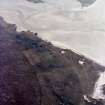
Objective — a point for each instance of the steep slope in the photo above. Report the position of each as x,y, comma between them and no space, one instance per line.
34,72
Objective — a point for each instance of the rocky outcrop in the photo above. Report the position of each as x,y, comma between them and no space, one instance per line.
34,72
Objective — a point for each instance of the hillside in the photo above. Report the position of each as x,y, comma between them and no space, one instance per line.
34,72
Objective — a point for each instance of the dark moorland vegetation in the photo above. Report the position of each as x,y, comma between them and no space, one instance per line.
34,72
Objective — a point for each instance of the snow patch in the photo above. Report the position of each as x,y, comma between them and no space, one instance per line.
98,90
81,62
